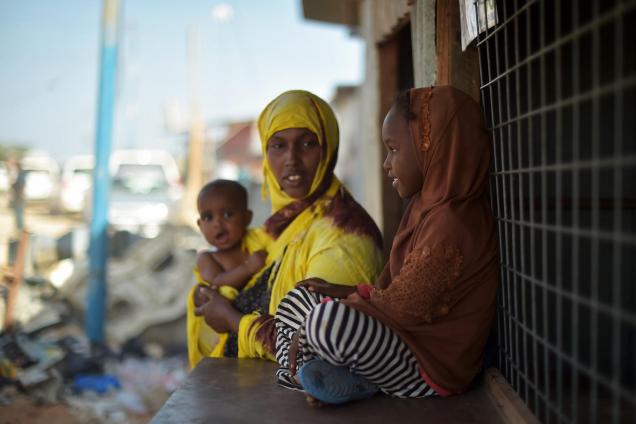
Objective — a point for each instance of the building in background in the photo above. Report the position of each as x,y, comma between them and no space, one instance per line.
239,153
233,151
349,169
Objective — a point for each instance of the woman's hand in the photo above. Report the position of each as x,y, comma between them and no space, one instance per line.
319,285
197,296
218,312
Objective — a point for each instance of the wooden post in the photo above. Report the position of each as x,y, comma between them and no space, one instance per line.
395,58
454,67
194,178
388,53
16,280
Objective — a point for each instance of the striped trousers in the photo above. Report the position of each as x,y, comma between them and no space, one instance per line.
343,336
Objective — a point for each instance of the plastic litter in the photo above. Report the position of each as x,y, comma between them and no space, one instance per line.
97,383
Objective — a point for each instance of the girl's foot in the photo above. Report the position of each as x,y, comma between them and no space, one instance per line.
333,385
313,402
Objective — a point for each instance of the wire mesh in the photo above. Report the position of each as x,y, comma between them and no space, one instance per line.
558,86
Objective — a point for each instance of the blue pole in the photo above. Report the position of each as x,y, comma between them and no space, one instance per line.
98,251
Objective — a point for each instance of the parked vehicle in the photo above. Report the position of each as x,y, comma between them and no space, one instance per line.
145,191
5,185
4,178
41,174
76,181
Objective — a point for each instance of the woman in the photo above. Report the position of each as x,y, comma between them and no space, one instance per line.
316,230
421,329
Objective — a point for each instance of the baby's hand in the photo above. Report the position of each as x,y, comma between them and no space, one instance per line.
256,261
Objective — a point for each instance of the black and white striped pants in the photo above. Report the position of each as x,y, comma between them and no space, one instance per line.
344,336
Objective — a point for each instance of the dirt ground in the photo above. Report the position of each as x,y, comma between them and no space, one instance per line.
22,411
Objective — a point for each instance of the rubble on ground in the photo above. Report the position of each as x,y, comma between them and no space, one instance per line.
45,356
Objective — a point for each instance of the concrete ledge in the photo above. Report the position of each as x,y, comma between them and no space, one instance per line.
509,404
244,391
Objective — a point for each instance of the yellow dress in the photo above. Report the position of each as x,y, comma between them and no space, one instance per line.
316,242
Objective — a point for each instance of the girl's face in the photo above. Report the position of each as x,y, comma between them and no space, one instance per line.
293,155
400,163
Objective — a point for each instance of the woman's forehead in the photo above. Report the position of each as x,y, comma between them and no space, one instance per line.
292,133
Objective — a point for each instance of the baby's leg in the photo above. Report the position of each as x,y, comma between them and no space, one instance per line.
291,314
346,337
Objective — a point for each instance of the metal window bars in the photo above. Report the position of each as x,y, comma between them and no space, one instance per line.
558,86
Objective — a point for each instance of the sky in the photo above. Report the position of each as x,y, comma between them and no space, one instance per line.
250,51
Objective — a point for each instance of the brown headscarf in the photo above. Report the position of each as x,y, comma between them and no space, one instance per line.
438,289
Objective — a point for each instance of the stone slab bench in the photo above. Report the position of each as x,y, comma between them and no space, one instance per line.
244,391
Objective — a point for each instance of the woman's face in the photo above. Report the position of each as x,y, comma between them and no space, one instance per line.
400,163
294,155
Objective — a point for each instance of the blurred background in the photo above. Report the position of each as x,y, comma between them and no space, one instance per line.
217,62
190,80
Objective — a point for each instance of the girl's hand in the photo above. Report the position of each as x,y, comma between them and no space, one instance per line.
319,285
218,312
292,353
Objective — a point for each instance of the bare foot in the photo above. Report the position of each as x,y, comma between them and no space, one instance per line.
313,402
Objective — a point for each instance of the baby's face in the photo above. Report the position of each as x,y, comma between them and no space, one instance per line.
222,219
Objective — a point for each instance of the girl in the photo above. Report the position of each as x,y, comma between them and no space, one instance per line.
421,329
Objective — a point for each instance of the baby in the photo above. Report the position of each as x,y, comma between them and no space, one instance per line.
223,221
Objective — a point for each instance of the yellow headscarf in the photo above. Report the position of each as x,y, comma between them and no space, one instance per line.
298,109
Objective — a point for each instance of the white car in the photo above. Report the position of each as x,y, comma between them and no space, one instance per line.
145,191
76,181
5,185
41,179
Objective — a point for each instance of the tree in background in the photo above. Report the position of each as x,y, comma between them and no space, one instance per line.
11,150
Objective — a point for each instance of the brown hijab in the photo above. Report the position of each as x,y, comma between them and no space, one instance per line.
438,289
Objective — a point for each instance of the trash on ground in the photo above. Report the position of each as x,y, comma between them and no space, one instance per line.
44,355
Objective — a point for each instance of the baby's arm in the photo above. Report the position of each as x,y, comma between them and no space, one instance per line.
209,269
239,275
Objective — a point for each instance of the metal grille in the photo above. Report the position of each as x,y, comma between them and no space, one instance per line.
558,85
